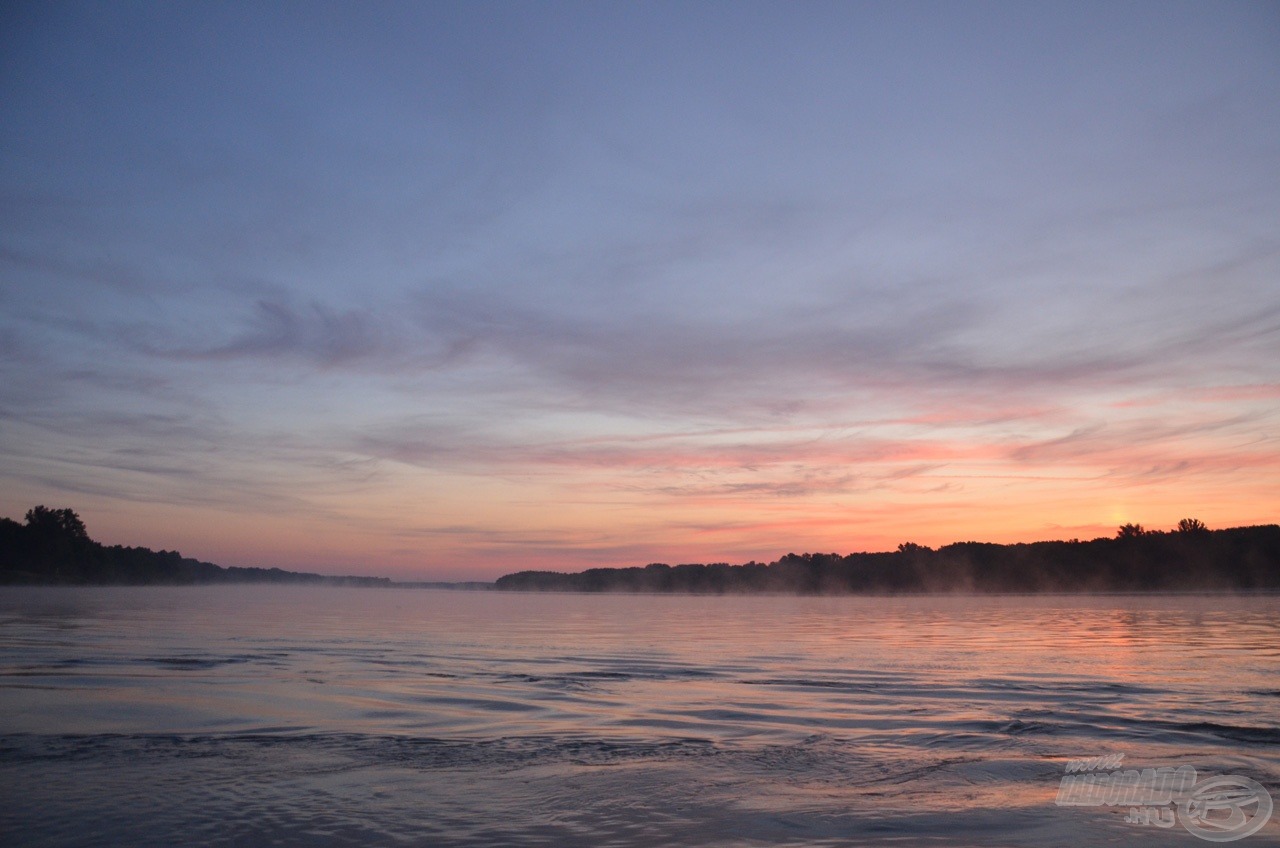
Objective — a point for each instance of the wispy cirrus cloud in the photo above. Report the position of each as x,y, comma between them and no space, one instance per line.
324,286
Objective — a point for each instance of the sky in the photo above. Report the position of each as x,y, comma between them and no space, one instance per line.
449,290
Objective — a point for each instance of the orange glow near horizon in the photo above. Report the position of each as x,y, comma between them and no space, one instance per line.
517,301
708,498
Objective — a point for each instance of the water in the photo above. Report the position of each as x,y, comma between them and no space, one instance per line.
316,716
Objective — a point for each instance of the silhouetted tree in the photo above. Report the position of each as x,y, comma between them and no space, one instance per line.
1130,531
1192,525
59,522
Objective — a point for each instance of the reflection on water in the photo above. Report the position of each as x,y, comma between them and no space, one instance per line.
358,716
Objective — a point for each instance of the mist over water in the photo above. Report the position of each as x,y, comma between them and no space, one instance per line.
301,716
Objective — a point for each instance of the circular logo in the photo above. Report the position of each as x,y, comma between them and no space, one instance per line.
1224,809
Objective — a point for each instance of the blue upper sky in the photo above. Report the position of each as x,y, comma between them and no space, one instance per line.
438,289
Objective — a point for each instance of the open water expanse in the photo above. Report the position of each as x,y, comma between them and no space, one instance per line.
265,715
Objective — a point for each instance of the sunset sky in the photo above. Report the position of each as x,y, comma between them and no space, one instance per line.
449,290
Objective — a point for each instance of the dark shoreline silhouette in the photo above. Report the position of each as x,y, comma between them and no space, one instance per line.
54,548
1189,559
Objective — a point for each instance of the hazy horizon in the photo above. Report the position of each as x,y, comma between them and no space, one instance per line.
447,291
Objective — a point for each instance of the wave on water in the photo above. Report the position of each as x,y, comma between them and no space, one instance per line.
348,789
297,788
458,721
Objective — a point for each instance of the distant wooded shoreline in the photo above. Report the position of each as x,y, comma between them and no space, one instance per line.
1191,558
53,548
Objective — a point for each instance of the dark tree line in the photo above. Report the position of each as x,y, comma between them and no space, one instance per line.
53,547
1188,559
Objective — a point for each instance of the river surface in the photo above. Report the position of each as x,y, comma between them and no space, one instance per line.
277,715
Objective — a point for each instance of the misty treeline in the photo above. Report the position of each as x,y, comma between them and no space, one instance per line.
53,547
1187,559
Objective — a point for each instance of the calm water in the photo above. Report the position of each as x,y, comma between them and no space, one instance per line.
307,716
